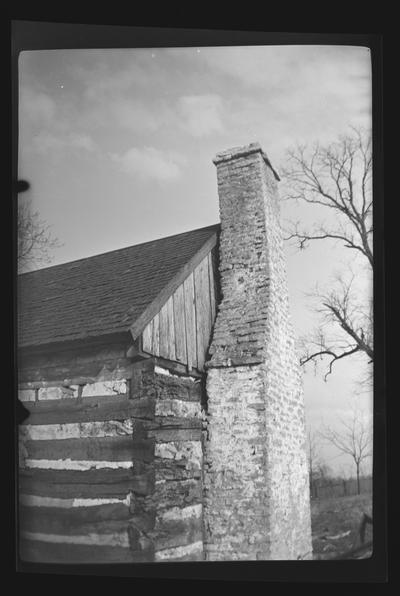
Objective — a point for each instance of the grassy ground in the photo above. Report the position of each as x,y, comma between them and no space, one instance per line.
336,524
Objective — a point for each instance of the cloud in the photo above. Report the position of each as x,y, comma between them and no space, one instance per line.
131,114
47,141
104,74
200,115
36,107
150,163
45,127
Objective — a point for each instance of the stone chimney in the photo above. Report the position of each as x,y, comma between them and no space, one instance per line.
256,492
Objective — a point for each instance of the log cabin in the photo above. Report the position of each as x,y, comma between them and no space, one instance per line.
166,418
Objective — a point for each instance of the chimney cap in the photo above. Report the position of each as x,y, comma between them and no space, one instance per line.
236,152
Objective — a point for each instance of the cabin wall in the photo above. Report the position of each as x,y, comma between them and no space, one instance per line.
177,430
180,331
110,460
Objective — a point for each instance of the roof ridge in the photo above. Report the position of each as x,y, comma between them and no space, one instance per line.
27,273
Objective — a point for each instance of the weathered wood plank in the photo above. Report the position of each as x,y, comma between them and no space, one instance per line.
170,288
167,331
175,422
88,409
156,335
111,533
163,331
101,449
212,288
190,322
90,477
202,304
142,484
74,368
180,327
162,435
44,552
32,523
70,517
147,338
171,355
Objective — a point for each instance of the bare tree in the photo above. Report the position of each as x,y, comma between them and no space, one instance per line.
336,180
354,438
35,240
318,470
313,459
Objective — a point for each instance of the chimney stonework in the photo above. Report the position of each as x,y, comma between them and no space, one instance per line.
256,493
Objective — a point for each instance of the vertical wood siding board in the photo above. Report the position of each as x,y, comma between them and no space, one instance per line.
190,315
180,327
147,338
207,299
185,314
212,288
197,307
171,329
202,301
156,335
163,325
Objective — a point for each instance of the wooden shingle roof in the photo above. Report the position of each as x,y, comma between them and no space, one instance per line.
108,293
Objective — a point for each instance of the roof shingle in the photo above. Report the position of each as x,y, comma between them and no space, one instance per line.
103,294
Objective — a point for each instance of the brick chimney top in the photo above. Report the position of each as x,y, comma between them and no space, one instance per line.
236,152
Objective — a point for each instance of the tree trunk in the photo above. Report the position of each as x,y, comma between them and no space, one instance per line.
358,478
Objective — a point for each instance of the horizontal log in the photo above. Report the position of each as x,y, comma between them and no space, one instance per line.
120,538
73,373
115,533
72,380
89,409
88,360
174,422
142,485
49,518
102,476
45,552
100,449
176,434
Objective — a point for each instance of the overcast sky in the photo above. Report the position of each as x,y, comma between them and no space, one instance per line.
118,148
